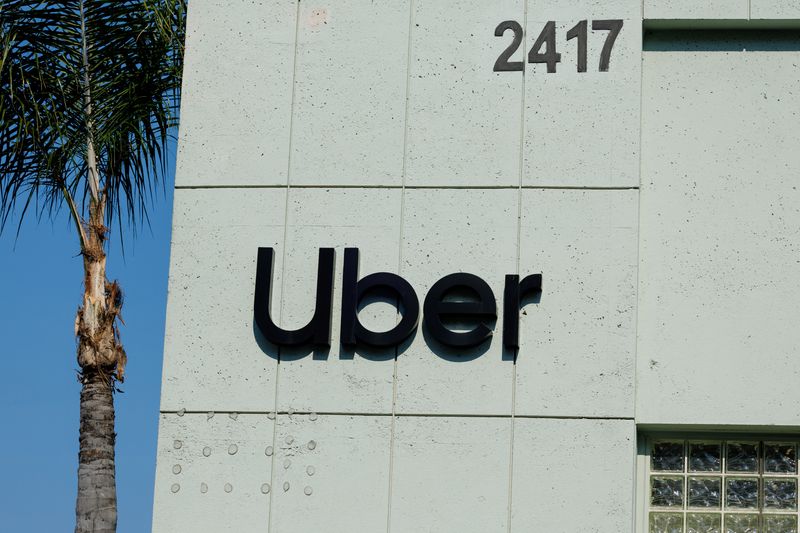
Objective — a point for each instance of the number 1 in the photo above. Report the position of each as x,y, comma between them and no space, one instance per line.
580,31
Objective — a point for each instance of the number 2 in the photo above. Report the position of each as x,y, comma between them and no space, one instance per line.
503,64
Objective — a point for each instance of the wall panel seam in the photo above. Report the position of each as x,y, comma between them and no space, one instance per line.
418,187
638,262
521,172
409,50
283,261
638,252
401,415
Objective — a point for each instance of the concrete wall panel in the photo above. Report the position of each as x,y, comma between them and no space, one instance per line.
775,9
582,129
720,239
237,93
450,474
573,475
577,345
337,471
463,118
692,9
213,475
349,115
341,380
447,231
543,10
212,360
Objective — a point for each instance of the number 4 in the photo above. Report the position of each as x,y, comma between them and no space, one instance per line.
547,38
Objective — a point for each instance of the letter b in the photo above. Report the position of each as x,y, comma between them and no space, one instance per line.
354,290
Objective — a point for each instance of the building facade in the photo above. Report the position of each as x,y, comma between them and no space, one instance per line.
642,156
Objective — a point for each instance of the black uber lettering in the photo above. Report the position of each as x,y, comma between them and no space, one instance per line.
438,308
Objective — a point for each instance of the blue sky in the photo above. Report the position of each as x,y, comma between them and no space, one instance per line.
40,282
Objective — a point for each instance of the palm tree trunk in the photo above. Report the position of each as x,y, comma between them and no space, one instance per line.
102,360
96,508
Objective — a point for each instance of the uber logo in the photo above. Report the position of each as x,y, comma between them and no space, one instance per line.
437,309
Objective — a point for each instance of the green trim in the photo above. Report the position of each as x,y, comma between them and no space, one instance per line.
716,432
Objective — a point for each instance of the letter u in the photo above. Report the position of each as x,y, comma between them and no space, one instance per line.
318,330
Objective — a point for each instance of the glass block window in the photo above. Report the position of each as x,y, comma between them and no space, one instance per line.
722,486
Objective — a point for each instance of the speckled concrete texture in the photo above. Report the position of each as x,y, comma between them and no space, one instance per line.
348,118
450,474
692,9
564,465
237,93
330,463
213,473
775,9
212,359
720,239
577,345
463,118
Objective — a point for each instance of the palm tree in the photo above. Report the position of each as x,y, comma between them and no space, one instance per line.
89,91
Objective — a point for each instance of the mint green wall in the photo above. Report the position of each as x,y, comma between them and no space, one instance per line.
657,200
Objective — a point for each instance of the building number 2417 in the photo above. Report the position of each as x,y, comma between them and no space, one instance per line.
547,40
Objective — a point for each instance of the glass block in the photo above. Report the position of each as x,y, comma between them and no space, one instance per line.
705,457
741,523
780,458
742,457
780,524
780,493
705,491
703,523
666,523
667,456
666,491
741,493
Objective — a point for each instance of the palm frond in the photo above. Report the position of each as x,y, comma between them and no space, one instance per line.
135,52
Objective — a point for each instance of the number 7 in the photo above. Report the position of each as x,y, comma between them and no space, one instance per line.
614,27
